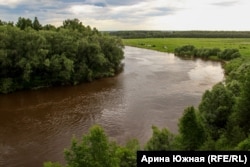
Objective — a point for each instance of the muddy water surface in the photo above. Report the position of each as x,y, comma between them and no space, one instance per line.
153,89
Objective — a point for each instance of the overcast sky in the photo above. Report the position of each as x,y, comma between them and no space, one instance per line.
135,14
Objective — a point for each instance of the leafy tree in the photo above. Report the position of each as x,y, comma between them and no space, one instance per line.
6,23
94,150
243,106
215,108
160,140
66,55
49,27
209,144
75,24
127,154
230,138
191,131
244,145
110,47
23,23
36,24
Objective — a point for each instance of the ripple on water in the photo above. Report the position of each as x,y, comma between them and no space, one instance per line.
153,89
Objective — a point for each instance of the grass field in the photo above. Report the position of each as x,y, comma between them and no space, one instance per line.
169,44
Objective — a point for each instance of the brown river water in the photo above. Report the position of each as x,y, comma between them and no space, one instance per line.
153,89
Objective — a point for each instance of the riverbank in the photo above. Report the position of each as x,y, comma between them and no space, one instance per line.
169,44
224,110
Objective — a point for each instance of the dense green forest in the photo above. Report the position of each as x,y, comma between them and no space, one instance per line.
34,56
221,122
180,34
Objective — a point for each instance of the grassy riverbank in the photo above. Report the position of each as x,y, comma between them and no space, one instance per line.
169,44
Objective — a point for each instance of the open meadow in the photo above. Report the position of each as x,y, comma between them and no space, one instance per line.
169,44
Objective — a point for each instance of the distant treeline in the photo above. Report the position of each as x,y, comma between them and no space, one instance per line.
34,56
181,34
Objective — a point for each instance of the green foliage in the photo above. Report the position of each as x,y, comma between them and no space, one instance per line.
6,85
23,23
229,54
234,86
191,51
36,24
186,50
206,53
94,150
231,66
244,145
191,131
52,164
215,108
160,140
209,144
127,154
181,34
37,56
238,71
243,105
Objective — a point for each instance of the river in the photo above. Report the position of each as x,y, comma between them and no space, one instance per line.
153,89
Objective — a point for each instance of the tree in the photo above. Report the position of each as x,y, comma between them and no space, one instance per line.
6,23
36,24
127,154
73,24
23,23
243,105
192,134
244,145
93,151
160,140
215,108
49,27
68,55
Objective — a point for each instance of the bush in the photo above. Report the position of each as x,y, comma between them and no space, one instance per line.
186,50
229,54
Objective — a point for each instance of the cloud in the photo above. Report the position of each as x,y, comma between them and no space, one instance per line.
225,3
136,12
11,3
133,14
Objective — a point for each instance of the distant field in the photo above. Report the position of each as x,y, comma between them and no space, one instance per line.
169,44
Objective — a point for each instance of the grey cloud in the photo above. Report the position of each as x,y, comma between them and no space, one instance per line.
123,2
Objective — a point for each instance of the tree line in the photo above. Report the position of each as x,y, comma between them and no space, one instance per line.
221,122
34,56
180,34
